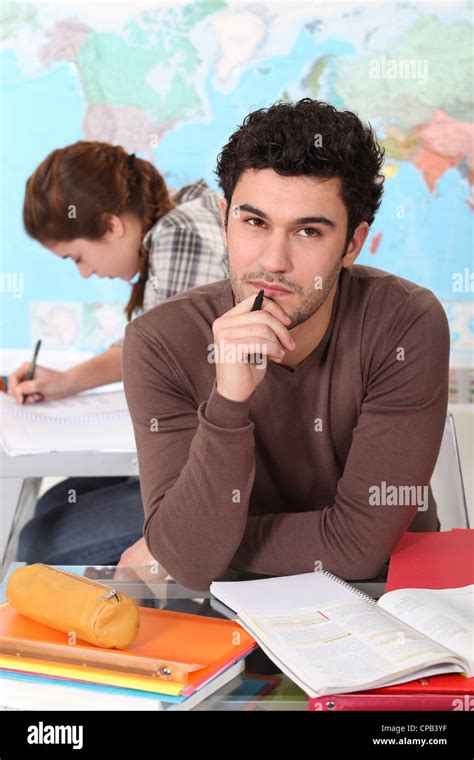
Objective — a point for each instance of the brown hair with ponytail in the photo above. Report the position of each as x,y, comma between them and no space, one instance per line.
74,188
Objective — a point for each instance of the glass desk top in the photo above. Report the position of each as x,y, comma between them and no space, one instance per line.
261,685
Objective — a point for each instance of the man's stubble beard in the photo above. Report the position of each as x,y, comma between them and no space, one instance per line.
310,301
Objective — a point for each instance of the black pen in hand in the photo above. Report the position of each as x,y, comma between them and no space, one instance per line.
32,367
257,304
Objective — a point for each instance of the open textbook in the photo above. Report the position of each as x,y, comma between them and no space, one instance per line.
331,638
83,422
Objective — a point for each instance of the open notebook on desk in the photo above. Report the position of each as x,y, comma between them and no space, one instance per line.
83,422
331,638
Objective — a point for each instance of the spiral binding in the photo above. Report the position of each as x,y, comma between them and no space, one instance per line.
353,589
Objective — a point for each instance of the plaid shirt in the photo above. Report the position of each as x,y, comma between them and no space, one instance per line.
185,246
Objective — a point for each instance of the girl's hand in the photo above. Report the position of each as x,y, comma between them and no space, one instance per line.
47,384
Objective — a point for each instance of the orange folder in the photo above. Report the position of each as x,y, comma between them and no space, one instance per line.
203,646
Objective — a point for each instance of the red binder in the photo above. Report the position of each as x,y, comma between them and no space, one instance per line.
395,703
449,691
444,559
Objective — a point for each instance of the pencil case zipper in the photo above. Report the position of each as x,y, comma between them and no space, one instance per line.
110,594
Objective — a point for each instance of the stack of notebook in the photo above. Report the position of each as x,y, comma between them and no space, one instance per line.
176,661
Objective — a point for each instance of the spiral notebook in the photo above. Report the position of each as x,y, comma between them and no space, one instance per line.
83,422
331,638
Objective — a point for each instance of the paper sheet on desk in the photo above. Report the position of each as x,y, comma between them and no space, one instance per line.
84,422
280,594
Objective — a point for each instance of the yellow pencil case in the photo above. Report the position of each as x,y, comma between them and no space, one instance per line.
75,605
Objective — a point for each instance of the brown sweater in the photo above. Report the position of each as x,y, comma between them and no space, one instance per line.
260,486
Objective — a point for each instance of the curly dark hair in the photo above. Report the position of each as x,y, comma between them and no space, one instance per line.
283,137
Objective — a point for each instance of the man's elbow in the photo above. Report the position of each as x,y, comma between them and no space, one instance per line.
194,579
193,576
360,568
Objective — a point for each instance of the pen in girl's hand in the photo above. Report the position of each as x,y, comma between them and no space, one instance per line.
257,304
32,367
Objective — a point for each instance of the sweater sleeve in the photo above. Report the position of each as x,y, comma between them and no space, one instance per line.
197,465
396,441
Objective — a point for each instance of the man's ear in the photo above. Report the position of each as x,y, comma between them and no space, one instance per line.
223,204
356,243
114,226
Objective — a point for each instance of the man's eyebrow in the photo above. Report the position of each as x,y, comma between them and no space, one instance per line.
300,220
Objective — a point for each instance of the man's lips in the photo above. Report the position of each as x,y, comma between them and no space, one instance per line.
270,290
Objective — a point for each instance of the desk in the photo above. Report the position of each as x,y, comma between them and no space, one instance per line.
238,694
20,481
20,477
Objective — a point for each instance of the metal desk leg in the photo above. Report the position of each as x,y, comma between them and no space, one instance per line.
18,497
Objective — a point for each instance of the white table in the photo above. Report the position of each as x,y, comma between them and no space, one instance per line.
20,477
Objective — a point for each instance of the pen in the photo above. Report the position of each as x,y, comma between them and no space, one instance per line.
32,367
257,304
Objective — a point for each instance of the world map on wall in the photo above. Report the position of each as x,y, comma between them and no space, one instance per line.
172,82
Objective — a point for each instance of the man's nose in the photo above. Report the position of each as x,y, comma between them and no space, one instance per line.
276,256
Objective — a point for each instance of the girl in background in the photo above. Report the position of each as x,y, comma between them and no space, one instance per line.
112,214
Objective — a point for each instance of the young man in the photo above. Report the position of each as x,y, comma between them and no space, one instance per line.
302,435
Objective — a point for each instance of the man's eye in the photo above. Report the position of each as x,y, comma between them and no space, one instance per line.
254,219
311,230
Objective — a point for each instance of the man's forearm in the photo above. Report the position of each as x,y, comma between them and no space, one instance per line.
101,370
198,525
